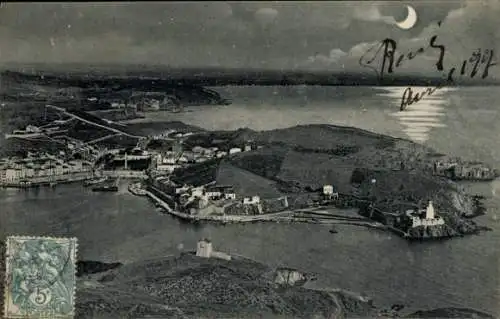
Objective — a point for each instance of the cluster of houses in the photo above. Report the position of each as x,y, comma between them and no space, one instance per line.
215,193
220,197
45,165
170,160
456,169
142,101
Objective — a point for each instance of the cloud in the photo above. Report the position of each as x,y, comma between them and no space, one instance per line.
371,13
463,31
320,60
266,34
266,16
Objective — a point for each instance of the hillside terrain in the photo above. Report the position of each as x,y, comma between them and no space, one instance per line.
304,158
193,287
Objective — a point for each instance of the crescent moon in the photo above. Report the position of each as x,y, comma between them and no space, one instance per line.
410,20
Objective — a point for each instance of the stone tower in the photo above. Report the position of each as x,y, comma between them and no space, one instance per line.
204,248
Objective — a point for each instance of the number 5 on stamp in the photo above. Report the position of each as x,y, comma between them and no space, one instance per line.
40,277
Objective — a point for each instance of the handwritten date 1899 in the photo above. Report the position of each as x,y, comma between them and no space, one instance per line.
389,62
478,58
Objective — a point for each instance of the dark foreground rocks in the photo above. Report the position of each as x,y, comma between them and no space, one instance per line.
193,287
462,313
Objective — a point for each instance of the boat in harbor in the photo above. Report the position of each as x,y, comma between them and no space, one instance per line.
108,186
333,230
105,188
95,181
137,189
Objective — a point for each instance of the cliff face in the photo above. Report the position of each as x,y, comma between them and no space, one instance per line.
289,277
434,232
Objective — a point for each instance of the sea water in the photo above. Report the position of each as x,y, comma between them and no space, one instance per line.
462,272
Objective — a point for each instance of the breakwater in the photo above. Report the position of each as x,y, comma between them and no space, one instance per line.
124,174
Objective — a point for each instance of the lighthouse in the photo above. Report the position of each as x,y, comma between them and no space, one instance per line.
429,212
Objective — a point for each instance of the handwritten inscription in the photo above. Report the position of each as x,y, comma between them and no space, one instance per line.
478,58
410,97
386,51
383,58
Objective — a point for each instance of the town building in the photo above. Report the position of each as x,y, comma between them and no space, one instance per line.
473,171
231,195
251,200
221,191
198,192
221,154
180,190
329,193
235,150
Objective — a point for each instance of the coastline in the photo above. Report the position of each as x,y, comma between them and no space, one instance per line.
271,217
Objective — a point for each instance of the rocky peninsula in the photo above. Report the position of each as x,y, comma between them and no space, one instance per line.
288,168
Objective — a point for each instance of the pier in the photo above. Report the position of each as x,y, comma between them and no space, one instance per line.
125,174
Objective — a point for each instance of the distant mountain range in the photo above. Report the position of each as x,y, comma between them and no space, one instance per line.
140,75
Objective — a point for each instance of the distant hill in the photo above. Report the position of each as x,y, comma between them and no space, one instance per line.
67,87
123,73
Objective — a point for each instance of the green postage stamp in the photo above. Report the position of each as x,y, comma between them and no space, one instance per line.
40,277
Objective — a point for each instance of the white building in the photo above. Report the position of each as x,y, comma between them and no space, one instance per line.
181,190
10,174
166,167
251,200
235,150
197,192
327,189
211,194
168,160
329,193
248,148
230,196
221,154
183,159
